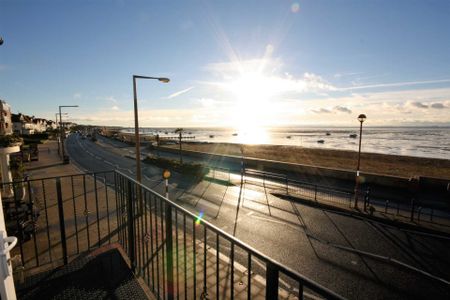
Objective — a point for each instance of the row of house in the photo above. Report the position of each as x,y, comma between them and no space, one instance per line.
22,124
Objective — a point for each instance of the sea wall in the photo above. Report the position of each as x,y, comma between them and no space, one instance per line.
399,183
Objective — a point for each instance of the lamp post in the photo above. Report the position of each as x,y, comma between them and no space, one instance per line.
136,122
56,122
61,131
361,119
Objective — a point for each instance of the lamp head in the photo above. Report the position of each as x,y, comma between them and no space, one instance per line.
362,118
163,79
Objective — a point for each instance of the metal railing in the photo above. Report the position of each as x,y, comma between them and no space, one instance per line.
309,191
177,253
414,209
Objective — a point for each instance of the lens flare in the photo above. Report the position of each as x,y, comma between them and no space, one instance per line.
199,218
295,8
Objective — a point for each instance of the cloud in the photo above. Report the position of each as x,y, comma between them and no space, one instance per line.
77,96
336,109
263,77
115,107
179,93
322,111
395,84
342,109
438,106
208,102
419,105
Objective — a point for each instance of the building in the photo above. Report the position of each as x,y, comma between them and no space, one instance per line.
22,124
6,127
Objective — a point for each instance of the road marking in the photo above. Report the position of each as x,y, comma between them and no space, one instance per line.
256,277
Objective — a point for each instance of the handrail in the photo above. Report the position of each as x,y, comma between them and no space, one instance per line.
284,269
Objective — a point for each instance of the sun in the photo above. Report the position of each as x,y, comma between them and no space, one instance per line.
253,106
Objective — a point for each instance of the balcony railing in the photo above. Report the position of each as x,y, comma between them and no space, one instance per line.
177,253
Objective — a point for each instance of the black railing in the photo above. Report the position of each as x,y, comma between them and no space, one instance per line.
414,209
182,256
176,252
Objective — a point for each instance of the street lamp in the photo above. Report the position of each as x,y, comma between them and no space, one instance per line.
136,122
61,131
56,123
361,119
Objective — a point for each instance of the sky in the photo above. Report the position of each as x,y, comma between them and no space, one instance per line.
231,63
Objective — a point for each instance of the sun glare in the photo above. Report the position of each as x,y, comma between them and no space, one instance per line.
253,107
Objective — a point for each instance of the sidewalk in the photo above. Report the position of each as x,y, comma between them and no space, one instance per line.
49,163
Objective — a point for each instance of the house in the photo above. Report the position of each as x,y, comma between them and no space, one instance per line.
40,125
6,127
51,125
22,124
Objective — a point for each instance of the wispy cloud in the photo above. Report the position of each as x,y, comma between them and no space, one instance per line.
438,106
395,84
77,96
336,109
419,105
176,94
322,111
342,109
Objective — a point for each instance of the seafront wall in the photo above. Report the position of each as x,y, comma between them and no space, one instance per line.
438,186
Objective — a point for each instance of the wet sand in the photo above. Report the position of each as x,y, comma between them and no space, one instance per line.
403,166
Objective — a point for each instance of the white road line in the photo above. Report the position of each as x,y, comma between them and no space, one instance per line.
257,278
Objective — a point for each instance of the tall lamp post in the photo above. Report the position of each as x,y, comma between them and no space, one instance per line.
56,122
361,119
136,122
63,132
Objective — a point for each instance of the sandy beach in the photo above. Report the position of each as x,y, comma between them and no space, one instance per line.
403,166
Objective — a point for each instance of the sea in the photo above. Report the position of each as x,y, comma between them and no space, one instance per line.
430,142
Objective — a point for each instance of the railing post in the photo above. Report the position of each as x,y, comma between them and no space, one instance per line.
315,192
287,186
62,225
169,249
130,217
272,281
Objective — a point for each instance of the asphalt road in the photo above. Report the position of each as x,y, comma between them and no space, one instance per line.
354,257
